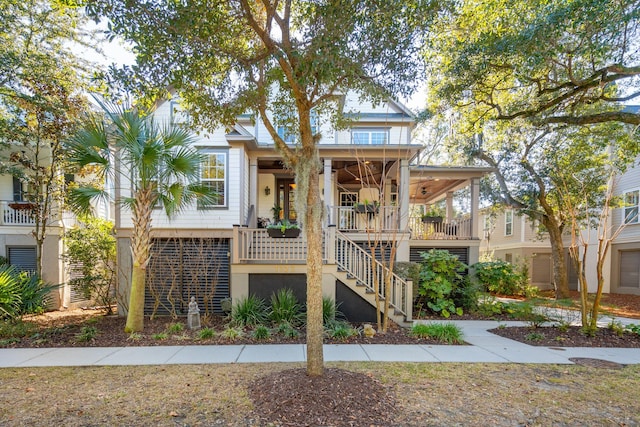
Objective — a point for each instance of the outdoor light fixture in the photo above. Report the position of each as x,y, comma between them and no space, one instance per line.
267,190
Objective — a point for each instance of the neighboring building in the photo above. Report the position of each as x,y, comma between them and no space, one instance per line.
220,251
513,238
18,245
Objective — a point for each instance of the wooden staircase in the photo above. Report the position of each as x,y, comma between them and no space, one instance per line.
365,276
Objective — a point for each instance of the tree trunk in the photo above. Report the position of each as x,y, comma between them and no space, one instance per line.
313,227
559,261
135,315
140,251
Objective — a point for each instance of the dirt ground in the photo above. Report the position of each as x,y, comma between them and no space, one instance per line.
412,394
351,395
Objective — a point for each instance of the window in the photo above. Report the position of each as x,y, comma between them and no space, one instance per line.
508,223
178,115
213,174
369,136
287,136
631,200
508,257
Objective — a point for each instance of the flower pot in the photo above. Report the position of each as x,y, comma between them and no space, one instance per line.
432,219
22,206
288,232
372,209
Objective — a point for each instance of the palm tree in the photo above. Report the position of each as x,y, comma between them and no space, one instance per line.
158,166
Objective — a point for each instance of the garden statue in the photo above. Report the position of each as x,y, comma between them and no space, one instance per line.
193,317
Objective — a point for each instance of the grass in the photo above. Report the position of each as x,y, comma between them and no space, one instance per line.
444,332
484,394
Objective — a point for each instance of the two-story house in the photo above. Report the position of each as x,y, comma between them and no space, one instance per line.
516,239
370,188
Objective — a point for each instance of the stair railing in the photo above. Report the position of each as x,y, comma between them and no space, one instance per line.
357,262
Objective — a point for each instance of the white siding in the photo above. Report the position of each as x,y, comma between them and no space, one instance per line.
627,182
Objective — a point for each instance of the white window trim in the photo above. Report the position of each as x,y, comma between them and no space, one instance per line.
510,233
370,131
624,208
293,138
225,181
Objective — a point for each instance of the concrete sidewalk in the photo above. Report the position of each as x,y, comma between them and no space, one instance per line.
484,347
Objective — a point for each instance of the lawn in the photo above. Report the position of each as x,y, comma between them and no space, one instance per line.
425,394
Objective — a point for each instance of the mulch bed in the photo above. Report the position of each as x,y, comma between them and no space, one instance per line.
338,398
56,330
550,336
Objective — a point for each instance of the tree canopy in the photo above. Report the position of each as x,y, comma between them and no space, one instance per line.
551,61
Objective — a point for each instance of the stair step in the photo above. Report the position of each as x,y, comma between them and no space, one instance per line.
350,276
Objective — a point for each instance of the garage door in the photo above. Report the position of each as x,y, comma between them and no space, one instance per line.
23,258
182,268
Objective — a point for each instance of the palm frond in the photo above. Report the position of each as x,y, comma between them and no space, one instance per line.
80,199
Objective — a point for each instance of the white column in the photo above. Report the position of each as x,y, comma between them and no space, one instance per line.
449,201
475,203
253,191
328,191
403,195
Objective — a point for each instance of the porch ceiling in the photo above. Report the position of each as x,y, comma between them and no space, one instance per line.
428,191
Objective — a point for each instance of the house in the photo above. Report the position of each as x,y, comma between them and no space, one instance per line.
371,189
516,239
18,245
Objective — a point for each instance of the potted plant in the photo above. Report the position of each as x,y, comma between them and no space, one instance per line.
366,207
283,229
22,206
433,216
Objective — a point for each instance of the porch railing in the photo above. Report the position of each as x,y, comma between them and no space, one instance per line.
254,245
15,213
452,230
352,219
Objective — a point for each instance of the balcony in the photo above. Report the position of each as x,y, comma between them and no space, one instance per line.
16,213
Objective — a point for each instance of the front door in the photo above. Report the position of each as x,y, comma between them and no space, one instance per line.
286,199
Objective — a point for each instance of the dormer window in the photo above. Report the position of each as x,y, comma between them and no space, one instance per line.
369,136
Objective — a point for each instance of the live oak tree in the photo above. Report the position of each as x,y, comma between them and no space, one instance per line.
521,74
531,165
285,57
542,60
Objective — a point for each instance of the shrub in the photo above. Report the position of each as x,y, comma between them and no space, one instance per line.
501,277
91,249
175,328
86,334
287,330
330,310
444,332
249,311
35,294
206,333
534,336
232,333
439,278
285,308
16,329
633,328
340,330
261,332
21,293
160,336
